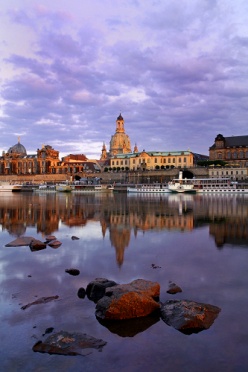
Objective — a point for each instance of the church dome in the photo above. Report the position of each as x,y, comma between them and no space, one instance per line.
18,149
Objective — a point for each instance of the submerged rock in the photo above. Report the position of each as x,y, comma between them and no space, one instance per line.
173,288
49,238
81,293
73,272
96,289
188,316
65,343
74,238
55,244
37,245
42,300
20,242
127,301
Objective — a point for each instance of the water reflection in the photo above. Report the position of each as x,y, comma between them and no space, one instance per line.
121,214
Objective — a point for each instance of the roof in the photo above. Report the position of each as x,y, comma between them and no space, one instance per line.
152,153
234,141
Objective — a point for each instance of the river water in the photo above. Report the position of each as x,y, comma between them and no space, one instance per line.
200,242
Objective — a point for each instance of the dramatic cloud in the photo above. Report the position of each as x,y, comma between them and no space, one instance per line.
177,71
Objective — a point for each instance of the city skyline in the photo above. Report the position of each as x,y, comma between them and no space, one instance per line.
177,74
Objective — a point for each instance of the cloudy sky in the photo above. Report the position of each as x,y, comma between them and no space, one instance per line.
176,70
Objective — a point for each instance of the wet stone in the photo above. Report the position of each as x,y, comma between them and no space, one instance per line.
65,343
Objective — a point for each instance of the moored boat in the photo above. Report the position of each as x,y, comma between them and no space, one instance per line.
151,188
64,187
181,185
91,188
8,186
218,185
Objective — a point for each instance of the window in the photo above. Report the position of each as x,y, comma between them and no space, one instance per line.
219,155
179,160
241,154
155,160
169,160
228,155
174,160
234,155
185,160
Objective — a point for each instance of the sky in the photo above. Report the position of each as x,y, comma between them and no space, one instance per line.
176,70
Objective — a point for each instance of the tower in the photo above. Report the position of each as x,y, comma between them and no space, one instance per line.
120,141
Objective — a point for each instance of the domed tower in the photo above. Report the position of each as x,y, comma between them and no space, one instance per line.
17,150
120,141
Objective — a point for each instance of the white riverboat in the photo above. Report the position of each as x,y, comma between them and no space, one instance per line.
45,188
181,185
218,185
91,188
151,188
64,187
9,187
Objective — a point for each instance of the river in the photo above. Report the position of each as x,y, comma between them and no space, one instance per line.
200,242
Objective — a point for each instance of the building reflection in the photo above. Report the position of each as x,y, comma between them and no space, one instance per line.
121,215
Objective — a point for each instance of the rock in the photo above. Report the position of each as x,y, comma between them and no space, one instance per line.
96,289
127,301
81,293
49,238
73,272
173,288
151,289
42,300
65,343
48,330
20,242
55,244
130,327
37,245
74,238
188,316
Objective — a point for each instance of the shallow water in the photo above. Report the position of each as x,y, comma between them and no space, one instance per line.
200,242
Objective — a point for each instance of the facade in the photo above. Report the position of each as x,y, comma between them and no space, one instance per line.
233,150
152,160
46,161
16,161
235,174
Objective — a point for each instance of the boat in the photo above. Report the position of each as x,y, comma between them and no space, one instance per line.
45,188
180,185
150,188
8,186
218,185
64,187
91,188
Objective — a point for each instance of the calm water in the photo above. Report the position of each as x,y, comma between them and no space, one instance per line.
199,242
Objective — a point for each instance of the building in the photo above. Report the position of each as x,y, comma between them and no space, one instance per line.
16,161
121,157
154,160
120,142
233,150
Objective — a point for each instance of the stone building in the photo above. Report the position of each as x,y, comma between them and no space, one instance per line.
120,142
16,161
233,150
152,160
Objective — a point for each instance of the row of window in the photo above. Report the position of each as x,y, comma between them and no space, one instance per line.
234,155
142,161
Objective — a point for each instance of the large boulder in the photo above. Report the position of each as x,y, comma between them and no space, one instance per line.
128,301
96,289
188,316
